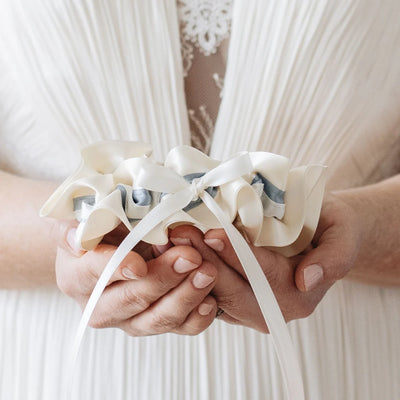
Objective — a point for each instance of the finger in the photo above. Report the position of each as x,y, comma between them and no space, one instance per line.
200,318
232,292
133,265
219,242
116,236
78,275
65,233
193,236
170,312
188,235
237,298
161,248
329,261
122,300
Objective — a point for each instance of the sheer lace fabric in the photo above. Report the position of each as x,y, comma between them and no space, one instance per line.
204,29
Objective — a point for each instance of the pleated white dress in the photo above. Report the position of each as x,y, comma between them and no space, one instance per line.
317,81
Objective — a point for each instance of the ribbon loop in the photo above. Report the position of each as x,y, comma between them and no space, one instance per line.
166,180
229,170
160,179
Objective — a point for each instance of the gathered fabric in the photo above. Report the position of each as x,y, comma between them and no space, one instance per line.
118,182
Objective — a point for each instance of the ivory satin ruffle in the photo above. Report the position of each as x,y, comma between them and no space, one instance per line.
273,206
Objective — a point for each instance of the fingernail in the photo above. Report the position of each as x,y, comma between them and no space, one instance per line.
313,274
182,265
71,240
127,273
215,244
201,280
177,241
205,309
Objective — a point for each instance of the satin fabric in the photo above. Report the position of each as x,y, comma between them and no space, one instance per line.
106,166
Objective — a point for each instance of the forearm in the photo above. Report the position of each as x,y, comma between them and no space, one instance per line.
378,209
27,242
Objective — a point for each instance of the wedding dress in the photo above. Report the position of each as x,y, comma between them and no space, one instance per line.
316,81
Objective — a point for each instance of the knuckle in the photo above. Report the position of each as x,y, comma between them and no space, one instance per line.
82,285
132,332
273,279
340,270
188,301
98,321
163,283
272,271
192,329
88,276
129,297
227,301
164,323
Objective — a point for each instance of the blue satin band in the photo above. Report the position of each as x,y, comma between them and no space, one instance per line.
272,198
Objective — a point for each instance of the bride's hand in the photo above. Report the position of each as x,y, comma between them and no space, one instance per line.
168,293
299,283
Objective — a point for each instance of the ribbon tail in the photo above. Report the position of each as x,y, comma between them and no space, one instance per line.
169,206
269,306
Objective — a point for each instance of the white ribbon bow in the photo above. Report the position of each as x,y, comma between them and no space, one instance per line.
181,193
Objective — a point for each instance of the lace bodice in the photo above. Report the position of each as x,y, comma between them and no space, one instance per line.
204,31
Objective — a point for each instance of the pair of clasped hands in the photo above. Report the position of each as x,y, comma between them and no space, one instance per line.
180,286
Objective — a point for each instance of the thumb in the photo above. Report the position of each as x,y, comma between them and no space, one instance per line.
329,261
64,232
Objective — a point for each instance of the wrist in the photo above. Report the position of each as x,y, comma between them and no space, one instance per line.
355,203
377,217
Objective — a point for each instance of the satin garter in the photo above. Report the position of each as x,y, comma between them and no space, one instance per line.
253,195
118,182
